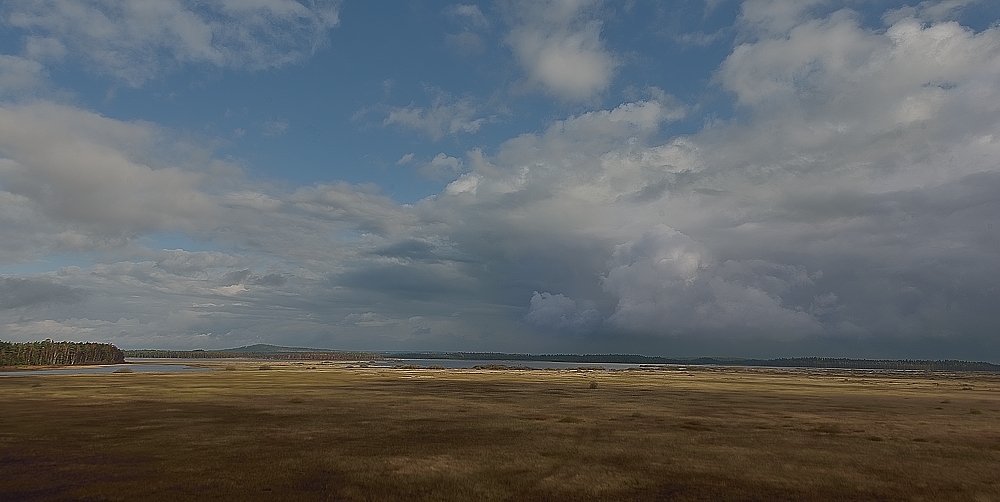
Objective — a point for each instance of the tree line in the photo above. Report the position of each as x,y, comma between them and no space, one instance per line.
49,353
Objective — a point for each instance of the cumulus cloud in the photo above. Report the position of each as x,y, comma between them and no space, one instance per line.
666,282
561,313
127,39
442,166
76,166
560,48
597,155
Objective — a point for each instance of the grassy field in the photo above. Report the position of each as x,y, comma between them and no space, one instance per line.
301,432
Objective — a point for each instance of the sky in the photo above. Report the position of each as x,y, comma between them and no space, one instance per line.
757,178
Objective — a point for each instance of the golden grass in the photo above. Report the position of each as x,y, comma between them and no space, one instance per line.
306,432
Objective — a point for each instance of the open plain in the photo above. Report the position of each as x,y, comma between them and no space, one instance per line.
312,432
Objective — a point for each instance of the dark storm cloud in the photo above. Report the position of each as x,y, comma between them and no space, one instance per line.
424,281
420,250
272,280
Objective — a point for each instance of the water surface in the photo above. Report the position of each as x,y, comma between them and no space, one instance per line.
470,363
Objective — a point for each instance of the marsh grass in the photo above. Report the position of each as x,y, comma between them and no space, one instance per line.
383,434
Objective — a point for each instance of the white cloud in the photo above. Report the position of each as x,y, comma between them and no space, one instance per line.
466,43
469,14
273,127
898,97
445,116
561,313
640,115
561,49
135,40
442,166
596,156
44,49
766,18
928,11
362,207
665,282
81,168
19,75
30,331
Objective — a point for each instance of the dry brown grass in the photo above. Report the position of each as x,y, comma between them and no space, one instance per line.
300,433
